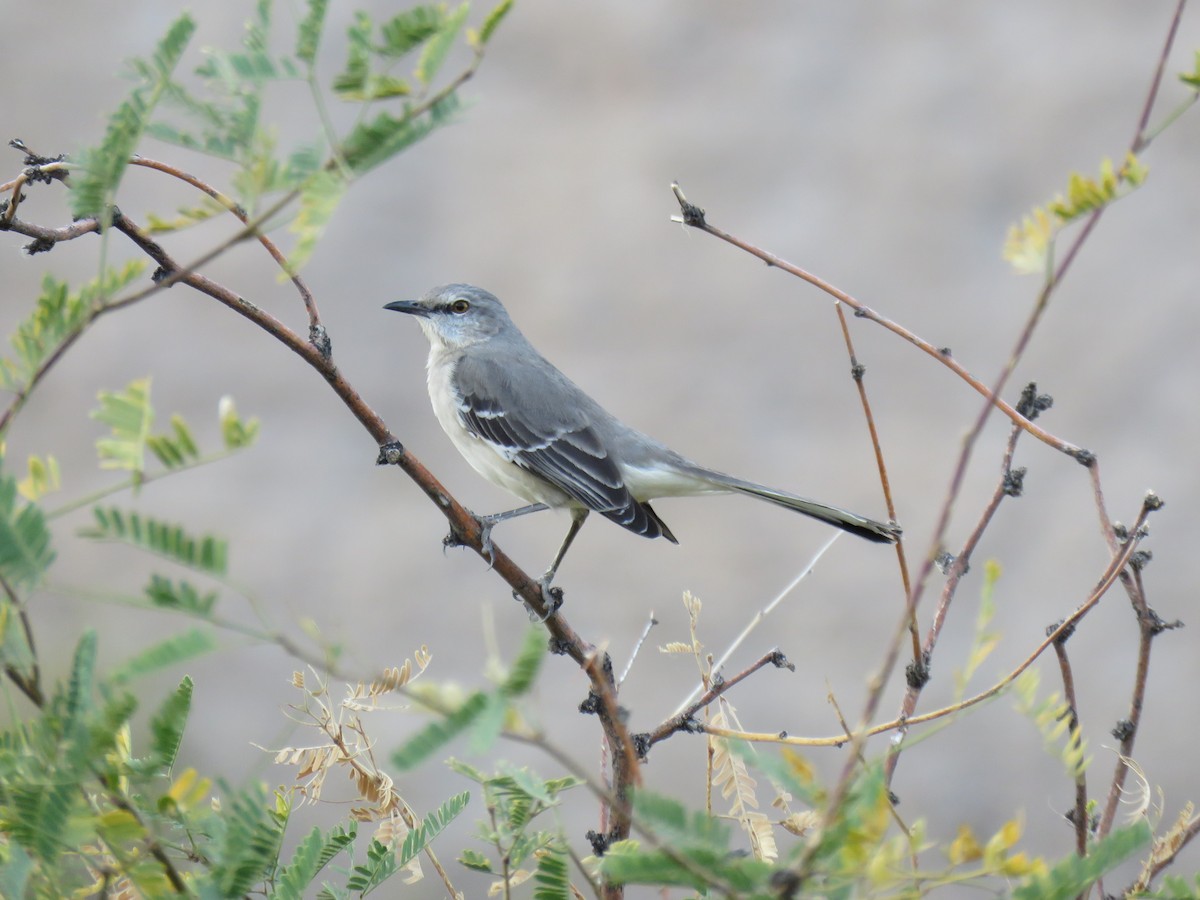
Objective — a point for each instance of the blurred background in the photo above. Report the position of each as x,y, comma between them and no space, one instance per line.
885,147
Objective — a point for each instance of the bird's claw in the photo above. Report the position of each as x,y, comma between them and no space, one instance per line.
552,597
453,539
486,548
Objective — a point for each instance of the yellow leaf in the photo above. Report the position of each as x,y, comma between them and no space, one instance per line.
965,847
186,792
1027,247
800,767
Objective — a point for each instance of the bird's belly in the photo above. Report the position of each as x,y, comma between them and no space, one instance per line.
483,457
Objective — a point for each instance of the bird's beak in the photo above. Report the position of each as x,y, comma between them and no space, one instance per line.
409,306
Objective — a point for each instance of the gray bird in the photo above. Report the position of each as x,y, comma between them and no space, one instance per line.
527,428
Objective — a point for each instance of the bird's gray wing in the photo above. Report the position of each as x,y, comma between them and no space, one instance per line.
532,416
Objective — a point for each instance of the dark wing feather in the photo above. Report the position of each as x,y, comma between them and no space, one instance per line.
559,446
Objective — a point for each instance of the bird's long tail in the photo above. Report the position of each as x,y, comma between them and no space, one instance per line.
844,519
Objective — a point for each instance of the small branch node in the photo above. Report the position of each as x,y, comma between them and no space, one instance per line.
779,661
1153,624
1152,502
1085,458
945,351
1014,482
1062,639
38,245
1123,730
1032,404
692,214
319,338
390,454
641,744
591,704
601,842
918,672
857,371
945,560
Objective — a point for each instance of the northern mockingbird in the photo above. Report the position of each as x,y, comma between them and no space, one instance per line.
526,427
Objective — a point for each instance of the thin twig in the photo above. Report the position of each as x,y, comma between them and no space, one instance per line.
30,685
1078,816
858,371
637,648
252,229
684,721
1149,626
1107,579
759,616
694,217
918,675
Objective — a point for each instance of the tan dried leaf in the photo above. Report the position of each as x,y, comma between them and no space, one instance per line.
519,877
800,823
676,647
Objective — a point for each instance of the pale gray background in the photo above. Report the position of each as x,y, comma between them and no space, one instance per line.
885,147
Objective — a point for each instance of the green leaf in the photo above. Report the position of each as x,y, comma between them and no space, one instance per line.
235,432
58,317
487,726
438,46
167,725
169,652
1075,874
319,198
25,552
249,848
551,877
375,142
311,856
255,65
493,20
475,861
353,77
1192,78
43,478
408,30
99,170
439,732
309,36
379,867
670,820
129,415
15,871
40,816
82,681
526,666
431,826
183,597
697,868
207,554
176,449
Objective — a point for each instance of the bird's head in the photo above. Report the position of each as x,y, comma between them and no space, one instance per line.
457,315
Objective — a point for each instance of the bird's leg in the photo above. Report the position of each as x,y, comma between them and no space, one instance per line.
487,523
578,517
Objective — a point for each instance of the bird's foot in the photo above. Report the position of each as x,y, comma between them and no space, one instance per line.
486,524
551,596
454,539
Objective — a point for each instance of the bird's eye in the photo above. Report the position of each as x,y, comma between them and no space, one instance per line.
460,306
